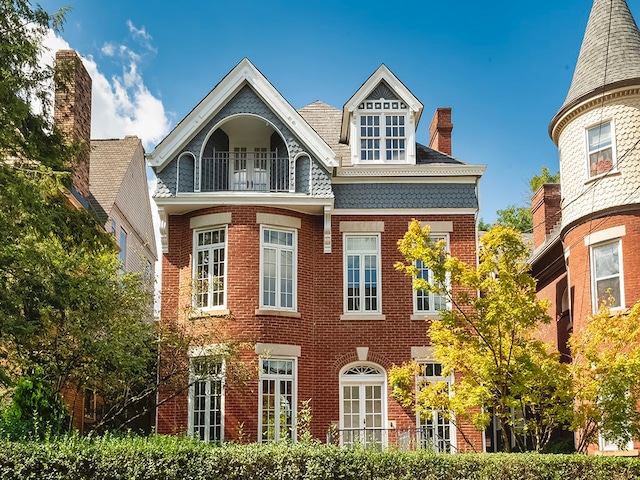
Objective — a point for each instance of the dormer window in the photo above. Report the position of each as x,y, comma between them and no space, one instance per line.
383,132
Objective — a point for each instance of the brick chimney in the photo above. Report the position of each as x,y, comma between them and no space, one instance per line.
545,209
72,113
440,131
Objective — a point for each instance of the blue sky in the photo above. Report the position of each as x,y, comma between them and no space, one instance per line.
503,67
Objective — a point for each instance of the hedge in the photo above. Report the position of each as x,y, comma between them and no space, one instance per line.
159,457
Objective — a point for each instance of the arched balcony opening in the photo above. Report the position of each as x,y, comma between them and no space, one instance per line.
245,153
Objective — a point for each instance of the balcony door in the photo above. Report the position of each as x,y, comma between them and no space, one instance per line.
250,170
363,406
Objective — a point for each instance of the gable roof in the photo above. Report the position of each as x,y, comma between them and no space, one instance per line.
117,179
609,55
381,76
245,73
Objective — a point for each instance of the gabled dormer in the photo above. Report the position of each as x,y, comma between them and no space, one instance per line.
379,122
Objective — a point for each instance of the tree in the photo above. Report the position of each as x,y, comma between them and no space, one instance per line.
488,340
520,218
606,376
66,310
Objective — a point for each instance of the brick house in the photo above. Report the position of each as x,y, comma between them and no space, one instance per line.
287,221
587,234
109,178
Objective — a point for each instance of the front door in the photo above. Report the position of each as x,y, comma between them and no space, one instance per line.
363,407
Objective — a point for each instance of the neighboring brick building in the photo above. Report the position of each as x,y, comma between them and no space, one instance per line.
110,178
591,247
288,221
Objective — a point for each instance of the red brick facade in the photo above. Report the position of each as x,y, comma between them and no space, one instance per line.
327,342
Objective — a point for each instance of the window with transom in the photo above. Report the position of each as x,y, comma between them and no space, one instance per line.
435,429
277,407
210,268
206,399
362,267
383,134
278,276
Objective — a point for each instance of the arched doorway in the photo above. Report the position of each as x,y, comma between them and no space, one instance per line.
363,405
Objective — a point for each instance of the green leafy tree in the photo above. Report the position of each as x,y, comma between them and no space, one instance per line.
518,217
488,340
606,376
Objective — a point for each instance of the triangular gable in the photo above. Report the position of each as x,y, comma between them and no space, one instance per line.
245,73
381,79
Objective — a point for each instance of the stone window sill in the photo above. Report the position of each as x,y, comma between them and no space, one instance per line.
360,316
277,313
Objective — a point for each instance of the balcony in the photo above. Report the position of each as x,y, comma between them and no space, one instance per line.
244,171
423,438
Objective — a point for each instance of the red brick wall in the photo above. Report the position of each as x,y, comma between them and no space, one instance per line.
327,342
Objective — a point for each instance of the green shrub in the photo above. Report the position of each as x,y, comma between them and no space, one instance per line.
177,458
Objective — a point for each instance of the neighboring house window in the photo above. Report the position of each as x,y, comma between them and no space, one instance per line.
383,134
210,267
362,279
277,407
424,301
90,405
113,228
606,274
600,149
206,388
435,430
123,248
278,269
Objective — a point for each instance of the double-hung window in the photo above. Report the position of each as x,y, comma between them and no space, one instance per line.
435,429
362,273
606,274
600,149
278,276
383,131
278,392
210,267
206,389
423,300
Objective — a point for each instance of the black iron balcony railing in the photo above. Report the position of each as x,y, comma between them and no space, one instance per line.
244,171
401,438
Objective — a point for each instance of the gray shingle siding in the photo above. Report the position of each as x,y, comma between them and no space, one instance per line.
396,195
245,102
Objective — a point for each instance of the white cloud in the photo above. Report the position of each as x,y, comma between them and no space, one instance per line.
121,105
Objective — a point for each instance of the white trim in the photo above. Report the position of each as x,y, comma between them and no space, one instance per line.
278,350
374,227
382,73
450,172
594,291
215,308
244,73
408,211
604,235
294,249
362,314
278,220
213,219
294,393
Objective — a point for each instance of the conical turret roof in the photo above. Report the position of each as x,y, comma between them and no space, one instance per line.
610,51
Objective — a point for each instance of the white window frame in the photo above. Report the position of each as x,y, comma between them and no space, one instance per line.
436,416
619,302
210,248
277,379
361,254
278,280
208,381
383,109
597,149
431,297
